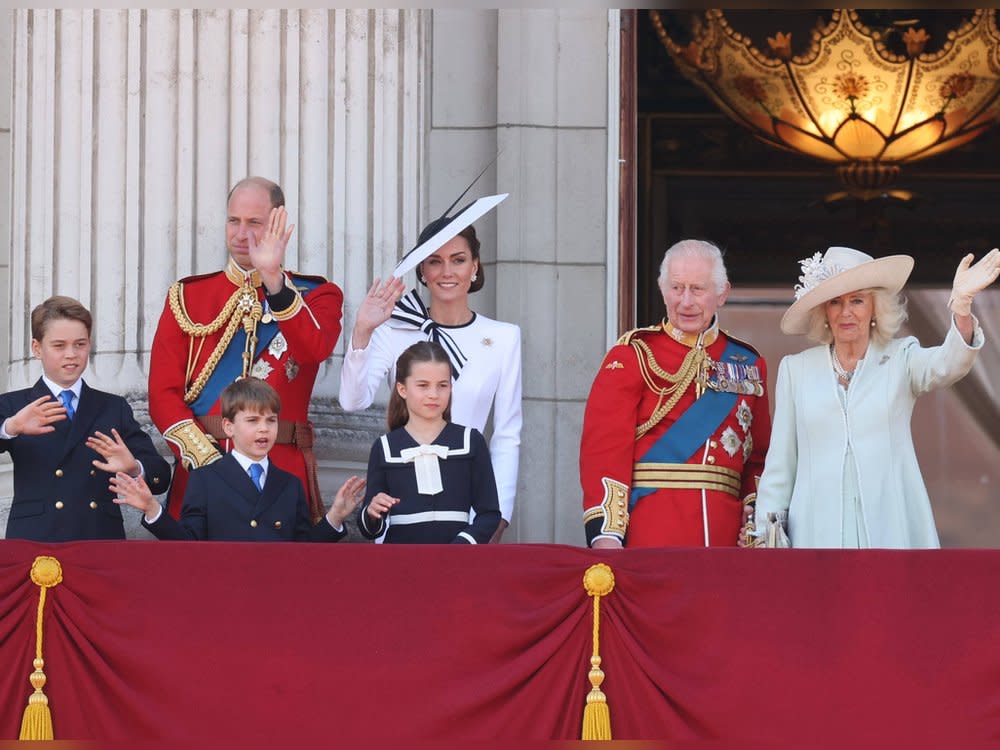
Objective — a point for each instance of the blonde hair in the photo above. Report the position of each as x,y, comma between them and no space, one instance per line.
888,313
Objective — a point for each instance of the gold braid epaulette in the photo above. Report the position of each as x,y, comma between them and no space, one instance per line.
626,338
229,316
678,382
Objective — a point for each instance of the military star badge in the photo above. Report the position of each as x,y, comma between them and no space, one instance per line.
278,346
260,370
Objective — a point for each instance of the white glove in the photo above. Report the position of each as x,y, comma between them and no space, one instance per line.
971,281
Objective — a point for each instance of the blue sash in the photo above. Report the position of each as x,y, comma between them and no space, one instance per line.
230,365
694,426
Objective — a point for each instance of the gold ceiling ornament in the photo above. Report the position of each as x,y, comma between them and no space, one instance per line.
849,99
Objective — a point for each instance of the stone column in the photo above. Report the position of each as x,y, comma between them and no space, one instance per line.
129,127
6,60
533,83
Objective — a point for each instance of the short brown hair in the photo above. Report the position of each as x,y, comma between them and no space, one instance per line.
397,414
58,308
274,190
249,394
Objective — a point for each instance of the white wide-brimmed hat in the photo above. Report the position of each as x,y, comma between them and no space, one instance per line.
838,271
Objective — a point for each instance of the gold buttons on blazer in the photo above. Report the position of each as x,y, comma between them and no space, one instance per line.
156,480
59,472
253,524
277,524
711,459
60,505
93,505
713,444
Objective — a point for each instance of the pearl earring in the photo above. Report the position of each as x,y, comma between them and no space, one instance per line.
826,325
474,277
873,322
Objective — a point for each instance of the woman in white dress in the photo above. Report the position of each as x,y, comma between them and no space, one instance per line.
841,461
485,354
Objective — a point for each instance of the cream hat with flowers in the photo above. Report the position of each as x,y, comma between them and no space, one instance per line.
838,271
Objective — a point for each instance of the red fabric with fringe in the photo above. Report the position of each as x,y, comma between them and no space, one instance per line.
190,642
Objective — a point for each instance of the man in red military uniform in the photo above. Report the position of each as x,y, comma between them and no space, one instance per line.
253,319
677,422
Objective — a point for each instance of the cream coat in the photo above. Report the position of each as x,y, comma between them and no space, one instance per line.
804,469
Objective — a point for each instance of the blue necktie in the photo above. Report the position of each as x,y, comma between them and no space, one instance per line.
67,399
257,475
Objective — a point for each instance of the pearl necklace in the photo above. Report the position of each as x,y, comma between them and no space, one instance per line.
842,374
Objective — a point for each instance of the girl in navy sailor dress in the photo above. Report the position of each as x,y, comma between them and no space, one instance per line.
429,481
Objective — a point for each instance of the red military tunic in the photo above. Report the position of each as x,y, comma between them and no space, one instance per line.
184,354
697,502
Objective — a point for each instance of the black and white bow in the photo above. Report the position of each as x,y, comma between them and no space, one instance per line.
411,309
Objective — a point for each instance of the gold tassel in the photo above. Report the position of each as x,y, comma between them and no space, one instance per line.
598,581
36,724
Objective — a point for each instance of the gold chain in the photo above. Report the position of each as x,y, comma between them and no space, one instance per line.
243,300
690,368
199,330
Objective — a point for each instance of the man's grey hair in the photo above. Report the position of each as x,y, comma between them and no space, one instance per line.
695,249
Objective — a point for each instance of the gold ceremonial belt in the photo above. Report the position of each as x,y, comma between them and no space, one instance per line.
687,477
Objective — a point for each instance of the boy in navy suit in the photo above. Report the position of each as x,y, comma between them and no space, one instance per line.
243,497
65,438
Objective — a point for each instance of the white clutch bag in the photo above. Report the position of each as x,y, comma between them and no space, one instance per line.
776,533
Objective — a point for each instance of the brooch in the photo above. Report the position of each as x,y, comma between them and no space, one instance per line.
616,365
487,341
291,369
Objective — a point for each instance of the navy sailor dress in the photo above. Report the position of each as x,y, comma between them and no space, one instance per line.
465,511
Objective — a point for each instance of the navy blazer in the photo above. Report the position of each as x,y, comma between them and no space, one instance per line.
58,494
222,503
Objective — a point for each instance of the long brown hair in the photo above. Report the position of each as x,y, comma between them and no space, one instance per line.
469,235
423,351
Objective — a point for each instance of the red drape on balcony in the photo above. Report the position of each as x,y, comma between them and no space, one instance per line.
300,643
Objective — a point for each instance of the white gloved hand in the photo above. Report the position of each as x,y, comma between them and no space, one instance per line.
970,280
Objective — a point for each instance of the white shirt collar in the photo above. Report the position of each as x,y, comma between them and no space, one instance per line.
245,461
57,389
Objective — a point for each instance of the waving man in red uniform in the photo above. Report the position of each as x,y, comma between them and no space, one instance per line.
677,422
252,319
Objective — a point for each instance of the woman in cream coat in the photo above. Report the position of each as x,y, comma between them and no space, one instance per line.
841,460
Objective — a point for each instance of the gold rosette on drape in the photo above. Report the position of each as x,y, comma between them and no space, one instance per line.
36,724
598,581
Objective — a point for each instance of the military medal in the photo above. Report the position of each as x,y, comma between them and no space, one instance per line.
732,377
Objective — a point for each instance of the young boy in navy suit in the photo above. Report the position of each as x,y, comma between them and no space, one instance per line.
243,497
65,438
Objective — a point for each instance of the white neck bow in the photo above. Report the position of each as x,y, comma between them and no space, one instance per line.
425,462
